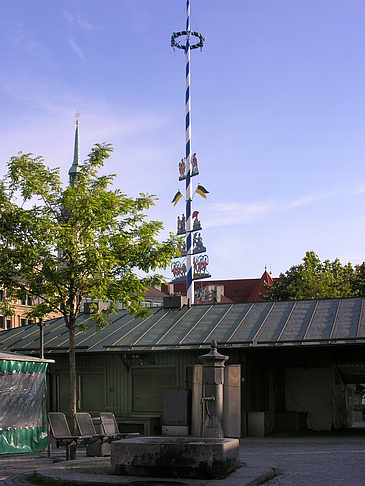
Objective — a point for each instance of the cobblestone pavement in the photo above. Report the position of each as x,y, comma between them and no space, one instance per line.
336,459
14,468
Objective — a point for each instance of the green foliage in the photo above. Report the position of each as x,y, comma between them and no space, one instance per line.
62,244
314,279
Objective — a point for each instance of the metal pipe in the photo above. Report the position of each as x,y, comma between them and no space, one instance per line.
41,339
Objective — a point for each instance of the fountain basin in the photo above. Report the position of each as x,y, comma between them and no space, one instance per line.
175,457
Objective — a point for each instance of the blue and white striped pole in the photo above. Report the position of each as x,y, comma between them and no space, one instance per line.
188,159
189,186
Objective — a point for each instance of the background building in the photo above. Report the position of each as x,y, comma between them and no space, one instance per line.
18,319
225,291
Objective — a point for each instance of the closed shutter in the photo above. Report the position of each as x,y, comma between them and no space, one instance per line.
148,384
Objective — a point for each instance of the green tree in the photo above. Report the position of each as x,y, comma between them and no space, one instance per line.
358,281
86,240
314,279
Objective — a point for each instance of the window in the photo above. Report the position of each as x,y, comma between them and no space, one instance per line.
23,300
29,300
2,322
8,323
23,322
1,295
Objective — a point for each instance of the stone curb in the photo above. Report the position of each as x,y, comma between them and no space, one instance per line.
72,472
18,479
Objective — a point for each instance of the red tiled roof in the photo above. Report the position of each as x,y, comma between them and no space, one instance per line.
260,288
238,290
153,293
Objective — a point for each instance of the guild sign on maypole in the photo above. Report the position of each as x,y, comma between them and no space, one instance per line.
195,265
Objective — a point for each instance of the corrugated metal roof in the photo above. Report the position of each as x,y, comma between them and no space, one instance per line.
231,325
5,356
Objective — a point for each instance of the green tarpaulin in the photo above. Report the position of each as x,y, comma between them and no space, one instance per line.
23,440
23,422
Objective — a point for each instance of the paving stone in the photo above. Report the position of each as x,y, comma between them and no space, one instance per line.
310,460
336,459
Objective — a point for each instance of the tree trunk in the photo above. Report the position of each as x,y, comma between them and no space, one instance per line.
72,371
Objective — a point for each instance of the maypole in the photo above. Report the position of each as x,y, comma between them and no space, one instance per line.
189,187
188,168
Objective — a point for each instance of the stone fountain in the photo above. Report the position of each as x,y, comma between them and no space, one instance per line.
209,456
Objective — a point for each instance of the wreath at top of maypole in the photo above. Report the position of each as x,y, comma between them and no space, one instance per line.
176,35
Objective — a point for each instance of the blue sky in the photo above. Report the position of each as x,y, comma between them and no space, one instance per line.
278,114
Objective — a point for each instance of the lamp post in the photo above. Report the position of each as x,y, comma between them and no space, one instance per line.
41,338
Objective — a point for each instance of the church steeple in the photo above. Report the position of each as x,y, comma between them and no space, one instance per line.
75,167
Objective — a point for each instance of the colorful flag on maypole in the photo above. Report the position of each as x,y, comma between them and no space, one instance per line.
177,198
201,191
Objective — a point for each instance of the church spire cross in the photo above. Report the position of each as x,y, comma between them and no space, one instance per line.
75,167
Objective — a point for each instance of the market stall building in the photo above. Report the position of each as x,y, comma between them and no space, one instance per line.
292,365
